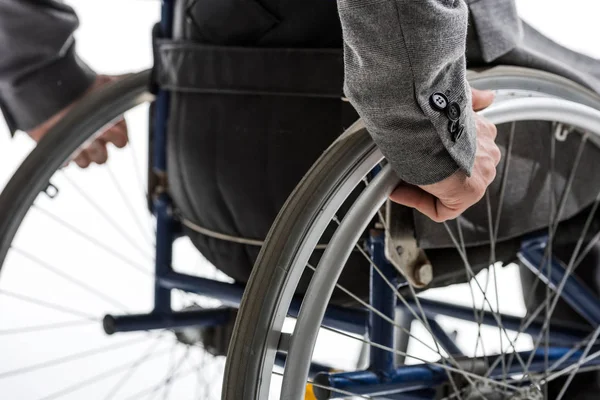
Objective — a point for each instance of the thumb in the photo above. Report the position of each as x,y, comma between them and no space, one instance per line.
482,99
415,197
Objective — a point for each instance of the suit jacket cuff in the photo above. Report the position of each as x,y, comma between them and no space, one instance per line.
43,93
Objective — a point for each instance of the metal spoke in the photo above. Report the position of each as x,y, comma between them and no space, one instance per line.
579,364
113,370
399,296
572,367
572,351
524,325
467,375
56,271
496,228
424,321
527,320
94,241
501,195
66,359
154,388
133,367
203,387
47,327
589,246
170,371
556,296
116,226
493,232
472,275
130,207
48,305
380,314
174,370
563,199
552,220
478,316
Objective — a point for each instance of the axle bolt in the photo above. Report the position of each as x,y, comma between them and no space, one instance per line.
424,274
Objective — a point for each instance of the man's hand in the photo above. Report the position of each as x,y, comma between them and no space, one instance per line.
96,151
449,198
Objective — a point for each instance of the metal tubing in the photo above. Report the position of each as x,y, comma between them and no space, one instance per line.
415,378
354,320
443,338
404,319
170,320
162,99
159,158
351,320
401,380
544,109
574,293
161,203
166,17
559,334
344,319
383,299
229,293
164,252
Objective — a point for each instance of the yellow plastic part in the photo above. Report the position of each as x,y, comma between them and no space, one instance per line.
309,394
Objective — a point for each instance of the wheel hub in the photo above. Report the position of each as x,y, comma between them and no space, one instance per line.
214,339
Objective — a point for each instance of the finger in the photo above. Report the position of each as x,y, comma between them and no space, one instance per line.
482,99
417,198
97,152
496,154
493,131
82,160
117,134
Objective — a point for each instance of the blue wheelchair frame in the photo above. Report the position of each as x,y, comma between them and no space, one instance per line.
382,376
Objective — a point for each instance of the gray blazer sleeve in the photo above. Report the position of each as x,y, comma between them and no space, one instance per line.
397,55
40,72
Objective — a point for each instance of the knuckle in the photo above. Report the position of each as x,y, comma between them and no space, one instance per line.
491,175
479,192
439,219
497,155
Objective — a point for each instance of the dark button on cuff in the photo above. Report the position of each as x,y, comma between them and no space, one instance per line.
453,111
453,127
439,101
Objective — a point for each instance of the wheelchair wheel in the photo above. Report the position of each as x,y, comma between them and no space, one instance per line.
76,245
475,339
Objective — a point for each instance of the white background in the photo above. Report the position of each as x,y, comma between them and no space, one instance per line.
114,38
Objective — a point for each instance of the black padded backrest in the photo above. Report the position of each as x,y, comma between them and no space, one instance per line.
264,23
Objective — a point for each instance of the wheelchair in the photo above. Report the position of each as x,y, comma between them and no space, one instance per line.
351,296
